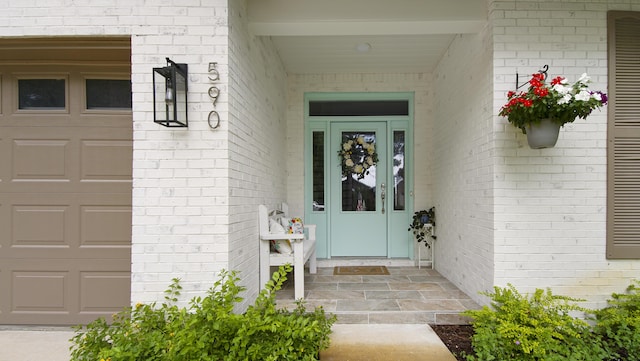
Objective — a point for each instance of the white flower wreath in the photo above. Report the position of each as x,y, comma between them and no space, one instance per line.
357,156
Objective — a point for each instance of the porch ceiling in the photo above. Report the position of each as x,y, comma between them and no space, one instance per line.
405,35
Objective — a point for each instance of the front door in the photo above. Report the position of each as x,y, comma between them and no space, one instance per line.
358,189
358,171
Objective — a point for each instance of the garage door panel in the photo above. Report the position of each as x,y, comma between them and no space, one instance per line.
40,159
5,145
102,160
105,226
52,226
64,292
100,291
39,291
76,160
36,225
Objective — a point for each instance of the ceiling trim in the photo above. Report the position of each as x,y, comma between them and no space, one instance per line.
341,28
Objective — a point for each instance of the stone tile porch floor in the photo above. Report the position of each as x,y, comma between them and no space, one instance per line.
407,295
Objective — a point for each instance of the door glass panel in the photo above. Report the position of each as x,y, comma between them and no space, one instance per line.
41,94
358,171
318,171
398,171
108,94
333,108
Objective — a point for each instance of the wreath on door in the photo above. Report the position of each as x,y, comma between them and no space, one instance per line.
357,156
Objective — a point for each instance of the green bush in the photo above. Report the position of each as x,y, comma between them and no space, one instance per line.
538,327
619,324
208,329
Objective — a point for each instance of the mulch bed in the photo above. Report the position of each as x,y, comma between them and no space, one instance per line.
457,338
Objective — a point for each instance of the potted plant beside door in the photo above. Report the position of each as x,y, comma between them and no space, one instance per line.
418,222
541,110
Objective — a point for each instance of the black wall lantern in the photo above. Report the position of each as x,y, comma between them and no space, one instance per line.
170,95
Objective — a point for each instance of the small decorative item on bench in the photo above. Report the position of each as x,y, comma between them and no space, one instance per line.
293,225
282,246
303,246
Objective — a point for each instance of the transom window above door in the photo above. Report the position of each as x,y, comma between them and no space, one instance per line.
334,108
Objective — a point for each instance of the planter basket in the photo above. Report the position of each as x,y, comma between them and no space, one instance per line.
543,134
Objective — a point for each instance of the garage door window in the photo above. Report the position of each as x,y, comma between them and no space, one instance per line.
108,94
41,94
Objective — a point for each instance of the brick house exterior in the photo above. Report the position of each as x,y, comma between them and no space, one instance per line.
507,213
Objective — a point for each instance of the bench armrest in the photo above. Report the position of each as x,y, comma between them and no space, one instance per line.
279,236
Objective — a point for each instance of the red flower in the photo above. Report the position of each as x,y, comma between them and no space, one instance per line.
557,80
535,83
541,92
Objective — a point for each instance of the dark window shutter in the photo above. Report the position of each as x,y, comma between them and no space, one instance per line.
623,173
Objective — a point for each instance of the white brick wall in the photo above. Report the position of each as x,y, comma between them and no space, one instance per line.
463,161
550,205
299,84
257,131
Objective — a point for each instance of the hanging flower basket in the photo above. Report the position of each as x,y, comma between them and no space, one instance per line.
357,156
543,134
559,103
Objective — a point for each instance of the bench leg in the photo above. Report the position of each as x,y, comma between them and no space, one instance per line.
265,266
298,269
313,266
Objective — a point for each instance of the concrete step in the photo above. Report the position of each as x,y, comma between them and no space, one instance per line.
385,342
349,342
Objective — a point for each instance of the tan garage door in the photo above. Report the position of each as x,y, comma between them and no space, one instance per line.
65,190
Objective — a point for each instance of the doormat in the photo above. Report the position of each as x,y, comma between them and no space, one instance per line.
360,271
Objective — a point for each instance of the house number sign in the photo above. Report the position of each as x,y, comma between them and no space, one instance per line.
214,118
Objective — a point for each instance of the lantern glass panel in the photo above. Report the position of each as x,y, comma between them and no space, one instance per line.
180,96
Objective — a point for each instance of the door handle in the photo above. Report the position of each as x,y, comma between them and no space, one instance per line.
382,195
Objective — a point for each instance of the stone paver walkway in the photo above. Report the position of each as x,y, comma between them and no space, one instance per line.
407,295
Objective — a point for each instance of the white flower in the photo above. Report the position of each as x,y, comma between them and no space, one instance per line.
346,146
561,89
597,96
358,168
371,149
584,78
360,140
366,165
584,95
348,163
565,99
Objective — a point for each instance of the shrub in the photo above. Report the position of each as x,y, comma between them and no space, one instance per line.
538,327
619,324
207,329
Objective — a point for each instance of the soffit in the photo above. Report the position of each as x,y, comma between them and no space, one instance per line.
405,35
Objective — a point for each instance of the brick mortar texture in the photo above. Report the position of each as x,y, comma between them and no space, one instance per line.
550,205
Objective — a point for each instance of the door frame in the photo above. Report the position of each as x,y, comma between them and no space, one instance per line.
404,248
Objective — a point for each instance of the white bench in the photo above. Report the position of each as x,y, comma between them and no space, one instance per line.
304,249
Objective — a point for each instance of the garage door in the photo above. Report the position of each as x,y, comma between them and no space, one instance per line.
65,189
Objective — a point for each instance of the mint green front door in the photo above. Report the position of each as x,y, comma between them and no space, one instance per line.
362,208
359,205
